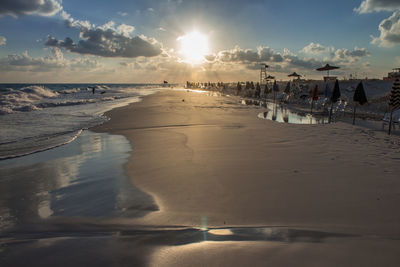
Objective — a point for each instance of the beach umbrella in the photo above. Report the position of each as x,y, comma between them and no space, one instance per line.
334,98
314,97
275,88
394,102
238,88
294,74
269,77
315,93
336,92
327,68
287,89
258,91
327,91
266,90
360,97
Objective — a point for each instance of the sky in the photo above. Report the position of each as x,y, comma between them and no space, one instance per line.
149,41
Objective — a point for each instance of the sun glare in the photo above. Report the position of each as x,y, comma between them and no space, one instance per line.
194,46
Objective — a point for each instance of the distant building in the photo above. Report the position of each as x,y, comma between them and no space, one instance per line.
392,76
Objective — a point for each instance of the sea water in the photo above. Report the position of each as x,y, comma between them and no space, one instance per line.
37,117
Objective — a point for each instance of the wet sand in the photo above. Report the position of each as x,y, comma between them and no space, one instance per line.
232,189
210,162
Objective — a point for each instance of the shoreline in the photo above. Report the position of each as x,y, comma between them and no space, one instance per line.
227,189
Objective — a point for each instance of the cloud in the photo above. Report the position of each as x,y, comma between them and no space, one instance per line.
17,8
389,31
25,62
368,6
349,56
248,55
73,23
123,14
106,41
55,60
3,40
265,54
314,48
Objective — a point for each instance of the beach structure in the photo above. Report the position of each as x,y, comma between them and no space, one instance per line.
360,98
328,68
394,102
263,73
393,76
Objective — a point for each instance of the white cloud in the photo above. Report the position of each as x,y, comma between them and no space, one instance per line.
54,61
73,23
389,31
17,8
123,14
3,40
368,6
314,48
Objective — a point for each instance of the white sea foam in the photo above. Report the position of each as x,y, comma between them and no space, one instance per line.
34,118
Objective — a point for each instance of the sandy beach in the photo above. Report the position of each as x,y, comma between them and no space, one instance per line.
210,162
231,189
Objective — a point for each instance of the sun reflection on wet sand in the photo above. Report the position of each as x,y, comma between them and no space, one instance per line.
84,178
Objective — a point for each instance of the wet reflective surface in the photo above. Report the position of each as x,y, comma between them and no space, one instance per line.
283,114
82,179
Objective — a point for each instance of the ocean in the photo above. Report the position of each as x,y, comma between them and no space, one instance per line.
36,117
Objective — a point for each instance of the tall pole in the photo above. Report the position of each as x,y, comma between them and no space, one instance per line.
312,105
354,115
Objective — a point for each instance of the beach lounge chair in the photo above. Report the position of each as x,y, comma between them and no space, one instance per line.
395,119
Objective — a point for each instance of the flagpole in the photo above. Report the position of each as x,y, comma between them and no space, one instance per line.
312,104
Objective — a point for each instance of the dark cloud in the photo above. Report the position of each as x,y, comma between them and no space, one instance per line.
108,43
18,8
108,40
368,6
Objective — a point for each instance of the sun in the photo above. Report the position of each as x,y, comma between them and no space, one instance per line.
194,46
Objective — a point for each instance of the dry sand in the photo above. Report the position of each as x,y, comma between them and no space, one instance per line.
210,162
